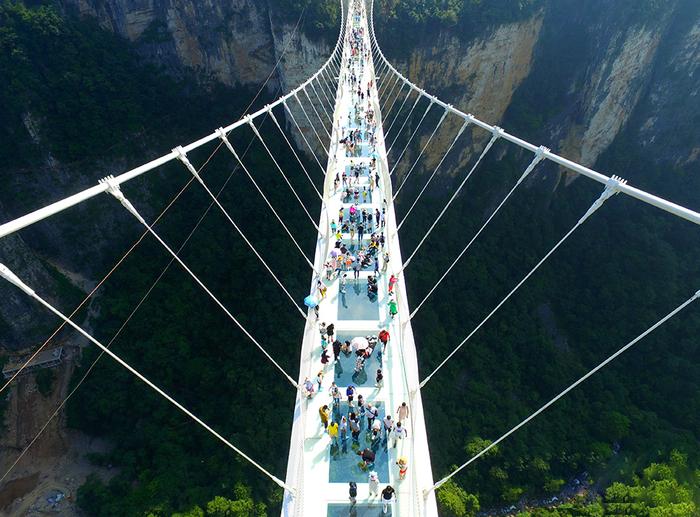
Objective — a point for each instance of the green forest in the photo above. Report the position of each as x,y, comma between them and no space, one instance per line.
629,435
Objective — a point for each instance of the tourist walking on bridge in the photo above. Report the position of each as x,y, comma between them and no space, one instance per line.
384,338
402,412
393,308
325,413
333,432
388,496
399,433
373,484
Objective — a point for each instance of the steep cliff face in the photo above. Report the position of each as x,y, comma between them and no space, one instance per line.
230,40
479,76
612,93
593,64
237,42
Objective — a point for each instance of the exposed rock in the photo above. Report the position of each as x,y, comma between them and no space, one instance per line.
615,88
236,42
478,76
488,70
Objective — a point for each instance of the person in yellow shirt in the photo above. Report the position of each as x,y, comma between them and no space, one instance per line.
325,413
333,432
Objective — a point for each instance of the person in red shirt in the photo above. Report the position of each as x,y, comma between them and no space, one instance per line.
384,338
392,282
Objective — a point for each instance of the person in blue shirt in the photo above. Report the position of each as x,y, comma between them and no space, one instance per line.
350,394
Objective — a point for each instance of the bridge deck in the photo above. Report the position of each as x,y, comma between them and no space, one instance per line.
318,468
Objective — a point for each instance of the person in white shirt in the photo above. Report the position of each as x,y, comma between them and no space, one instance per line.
376,429
388,426
399,433
373,484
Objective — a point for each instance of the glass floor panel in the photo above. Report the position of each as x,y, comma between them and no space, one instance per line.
345,368
358,510
358,214
361,151
364,195
355,246
355,304
345,464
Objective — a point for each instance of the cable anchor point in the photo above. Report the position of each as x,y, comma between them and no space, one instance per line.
540,153
8,275
612,187
113,188
182,156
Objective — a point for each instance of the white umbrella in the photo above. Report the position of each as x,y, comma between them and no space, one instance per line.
359,343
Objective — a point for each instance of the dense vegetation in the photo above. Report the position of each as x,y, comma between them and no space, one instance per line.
633,428
320,17
662,489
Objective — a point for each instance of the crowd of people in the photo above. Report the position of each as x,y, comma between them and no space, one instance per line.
359,244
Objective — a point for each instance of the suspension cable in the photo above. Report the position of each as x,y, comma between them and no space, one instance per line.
538,157
396,97
163,212
324,109
324,105
442,119
389,95
410,139
119,330
611,189
415,103
396,115
12,278
296,155
569,388
382,101
313,152
115,191
226,141
325,90
284,176
333,93
318,117
494,137
183,158
296,98
444,156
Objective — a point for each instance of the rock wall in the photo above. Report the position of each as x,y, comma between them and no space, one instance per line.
479,76
238,42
